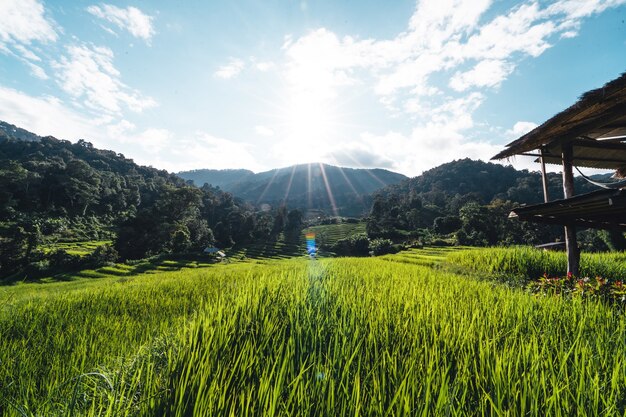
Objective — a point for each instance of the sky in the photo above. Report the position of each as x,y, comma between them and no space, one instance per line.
262,84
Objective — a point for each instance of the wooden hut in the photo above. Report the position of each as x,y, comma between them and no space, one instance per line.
592,134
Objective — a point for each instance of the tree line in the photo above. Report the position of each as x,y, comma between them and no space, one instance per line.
54,190
467,202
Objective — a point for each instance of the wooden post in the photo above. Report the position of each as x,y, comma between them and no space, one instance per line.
573,255
544,177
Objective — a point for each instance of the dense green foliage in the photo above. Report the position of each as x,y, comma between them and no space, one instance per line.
55,191
376,336
313,188
468,202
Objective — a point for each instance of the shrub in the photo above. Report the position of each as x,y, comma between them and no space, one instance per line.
382,247
357,245
61,260
103,255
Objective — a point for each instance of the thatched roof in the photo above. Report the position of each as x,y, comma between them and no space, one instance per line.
599,115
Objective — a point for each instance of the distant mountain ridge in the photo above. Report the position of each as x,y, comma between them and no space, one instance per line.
484,181
223,178
310,187
18,133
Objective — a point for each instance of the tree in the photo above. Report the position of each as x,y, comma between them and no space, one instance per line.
280,219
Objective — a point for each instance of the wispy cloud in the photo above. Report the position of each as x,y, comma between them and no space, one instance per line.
24,21
231,69
264,66
155,146
37,71
87,73
207,150
131,18
487,73
460,42
264,131
520,128
44,115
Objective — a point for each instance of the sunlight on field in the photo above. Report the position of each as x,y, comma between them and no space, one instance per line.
394,335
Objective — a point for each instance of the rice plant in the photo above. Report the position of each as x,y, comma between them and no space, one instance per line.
332,337
528,263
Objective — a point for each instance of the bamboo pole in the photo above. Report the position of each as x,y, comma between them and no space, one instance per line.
573,255
544,178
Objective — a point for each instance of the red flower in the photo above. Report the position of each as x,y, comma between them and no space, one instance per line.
569,275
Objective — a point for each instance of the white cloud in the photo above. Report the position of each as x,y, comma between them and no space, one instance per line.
131,18
488,73
24,21
519,129
43,115
437,71
27,54
578,9
444,37
264,66
263,131
152,141
37,71
159,147
88,73
357,155
231,69
425,147
208,151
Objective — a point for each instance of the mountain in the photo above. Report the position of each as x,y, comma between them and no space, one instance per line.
484,182
223,178
468,202
314,188
15,132
52,190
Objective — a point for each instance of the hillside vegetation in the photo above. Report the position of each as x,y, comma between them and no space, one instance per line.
310,187
54,192
467,202
57,197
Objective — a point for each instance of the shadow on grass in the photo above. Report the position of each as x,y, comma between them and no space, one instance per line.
157,264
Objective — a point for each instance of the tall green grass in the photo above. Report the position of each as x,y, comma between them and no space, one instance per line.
332,337
528,263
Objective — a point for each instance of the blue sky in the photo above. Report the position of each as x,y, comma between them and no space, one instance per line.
402,85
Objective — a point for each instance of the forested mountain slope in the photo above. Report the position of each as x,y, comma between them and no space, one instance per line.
318,187
468,202
53,190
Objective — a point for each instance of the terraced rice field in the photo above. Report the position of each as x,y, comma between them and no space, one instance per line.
76,248
331,233
283,248
397,335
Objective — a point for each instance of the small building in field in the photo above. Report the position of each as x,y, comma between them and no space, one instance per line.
589,134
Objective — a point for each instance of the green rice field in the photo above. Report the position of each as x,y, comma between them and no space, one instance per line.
76,248
283,248
398,335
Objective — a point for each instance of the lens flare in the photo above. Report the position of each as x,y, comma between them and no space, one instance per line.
311,249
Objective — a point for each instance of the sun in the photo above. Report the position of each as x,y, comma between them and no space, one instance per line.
310,127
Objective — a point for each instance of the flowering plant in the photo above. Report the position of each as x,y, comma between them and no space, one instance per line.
584,287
